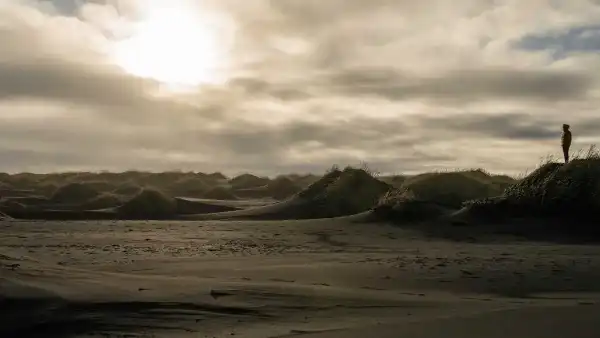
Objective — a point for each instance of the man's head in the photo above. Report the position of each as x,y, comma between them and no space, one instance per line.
566,127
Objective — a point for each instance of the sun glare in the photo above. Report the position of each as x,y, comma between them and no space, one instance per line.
174,43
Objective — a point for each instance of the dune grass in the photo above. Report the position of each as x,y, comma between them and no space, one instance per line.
343,192
554,190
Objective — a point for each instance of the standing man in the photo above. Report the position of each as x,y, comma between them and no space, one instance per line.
565,141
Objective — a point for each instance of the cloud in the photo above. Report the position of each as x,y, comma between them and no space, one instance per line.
35,68
253,86
70,82
508,126
114,95
465,85
404,85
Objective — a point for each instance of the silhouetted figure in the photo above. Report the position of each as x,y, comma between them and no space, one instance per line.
565,141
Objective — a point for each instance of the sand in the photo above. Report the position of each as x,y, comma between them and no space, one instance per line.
313,279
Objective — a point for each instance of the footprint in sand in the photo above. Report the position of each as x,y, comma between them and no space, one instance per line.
371,288
13,267
476,298
220,293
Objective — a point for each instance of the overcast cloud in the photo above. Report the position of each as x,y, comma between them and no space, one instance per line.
406,86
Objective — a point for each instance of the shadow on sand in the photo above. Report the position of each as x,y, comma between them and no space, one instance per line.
36,317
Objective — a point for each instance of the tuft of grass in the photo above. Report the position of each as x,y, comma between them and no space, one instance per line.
364,166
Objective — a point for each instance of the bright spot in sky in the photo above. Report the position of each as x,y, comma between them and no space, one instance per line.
176,42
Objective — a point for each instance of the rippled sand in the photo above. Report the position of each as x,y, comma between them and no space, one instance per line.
326,278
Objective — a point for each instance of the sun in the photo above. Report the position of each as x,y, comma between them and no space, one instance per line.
174,43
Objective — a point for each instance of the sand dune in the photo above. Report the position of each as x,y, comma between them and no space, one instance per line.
338,193
314,265
184,206
79,196
317,278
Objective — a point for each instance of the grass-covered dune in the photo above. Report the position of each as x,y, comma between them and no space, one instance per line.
565,196
432,195
338,193
554,199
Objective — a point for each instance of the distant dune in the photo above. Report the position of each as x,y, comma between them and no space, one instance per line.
552,192
338,193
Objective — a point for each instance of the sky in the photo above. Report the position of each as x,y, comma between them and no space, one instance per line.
274,86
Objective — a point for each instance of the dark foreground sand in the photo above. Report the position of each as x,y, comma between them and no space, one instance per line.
313,279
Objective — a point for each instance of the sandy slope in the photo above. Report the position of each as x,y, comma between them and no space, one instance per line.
328,278
285,210
240,204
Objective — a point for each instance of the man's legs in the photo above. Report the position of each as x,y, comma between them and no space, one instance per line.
566,154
